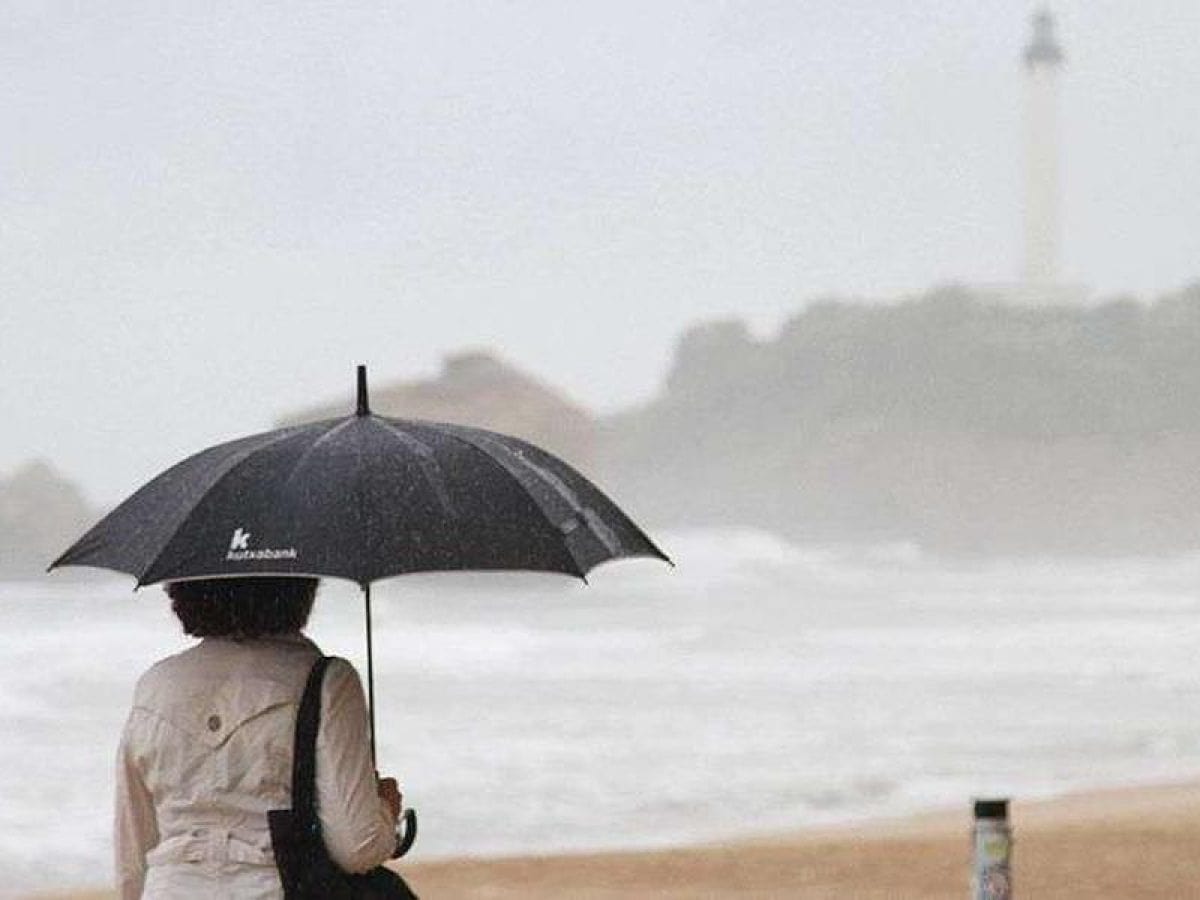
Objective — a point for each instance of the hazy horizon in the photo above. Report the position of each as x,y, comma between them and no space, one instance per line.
211,216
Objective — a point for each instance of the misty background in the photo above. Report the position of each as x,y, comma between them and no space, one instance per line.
209,214
745,263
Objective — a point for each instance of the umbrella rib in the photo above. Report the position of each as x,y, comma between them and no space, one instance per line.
239,459
454,431
430,469
335,426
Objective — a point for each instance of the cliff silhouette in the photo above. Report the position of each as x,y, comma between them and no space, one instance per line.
479,388
950,420
41,511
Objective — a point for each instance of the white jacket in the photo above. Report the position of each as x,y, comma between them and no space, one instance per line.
207,751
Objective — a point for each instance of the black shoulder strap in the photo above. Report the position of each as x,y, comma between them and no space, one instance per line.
304,751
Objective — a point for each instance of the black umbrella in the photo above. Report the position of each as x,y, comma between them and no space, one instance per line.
362,497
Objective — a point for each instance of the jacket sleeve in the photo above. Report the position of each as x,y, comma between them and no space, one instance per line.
358,827
135,827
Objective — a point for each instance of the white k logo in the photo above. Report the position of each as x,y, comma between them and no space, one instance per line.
240,540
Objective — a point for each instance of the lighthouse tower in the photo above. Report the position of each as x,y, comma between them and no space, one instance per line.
1043,59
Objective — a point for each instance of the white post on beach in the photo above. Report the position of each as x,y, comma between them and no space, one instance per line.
991,878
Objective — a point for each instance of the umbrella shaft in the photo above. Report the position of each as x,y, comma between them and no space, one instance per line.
370,671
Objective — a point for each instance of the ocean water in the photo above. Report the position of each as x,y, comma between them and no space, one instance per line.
756,687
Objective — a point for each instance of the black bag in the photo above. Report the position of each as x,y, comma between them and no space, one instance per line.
305,868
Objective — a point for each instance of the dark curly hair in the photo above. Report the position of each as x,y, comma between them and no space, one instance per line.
242,608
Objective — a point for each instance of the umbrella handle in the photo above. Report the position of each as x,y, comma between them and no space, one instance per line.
406,835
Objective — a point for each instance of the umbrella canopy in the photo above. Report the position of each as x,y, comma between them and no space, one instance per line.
363,497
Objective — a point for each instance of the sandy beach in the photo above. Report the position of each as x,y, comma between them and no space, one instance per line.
1129,843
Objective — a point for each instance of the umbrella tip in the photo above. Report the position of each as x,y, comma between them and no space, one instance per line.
364,408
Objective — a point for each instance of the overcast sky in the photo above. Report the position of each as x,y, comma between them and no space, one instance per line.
210,211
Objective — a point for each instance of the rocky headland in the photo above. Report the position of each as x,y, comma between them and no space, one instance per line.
950,421
41,512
